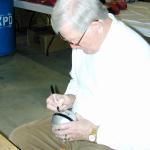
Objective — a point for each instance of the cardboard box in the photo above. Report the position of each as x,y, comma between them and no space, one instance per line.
45,39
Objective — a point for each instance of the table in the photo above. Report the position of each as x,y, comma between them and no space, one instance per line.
33,6
5,144
137,16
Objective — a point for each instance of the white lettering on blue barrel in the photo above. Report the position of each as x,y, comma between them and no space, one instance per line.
6,20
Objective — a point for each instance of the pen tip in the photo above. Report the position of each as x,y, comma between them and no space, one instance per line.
58,109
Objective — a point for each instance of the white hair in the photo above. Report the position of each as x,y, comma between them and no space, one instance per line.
78,13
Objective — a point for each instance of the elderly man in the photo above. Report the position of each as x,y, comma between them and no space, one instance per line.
109,90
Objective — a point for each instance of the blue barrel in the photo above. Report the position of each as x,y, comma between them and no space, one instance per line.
7,37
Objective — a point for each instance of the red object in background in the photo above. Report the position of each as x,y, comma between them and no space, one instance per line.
121,4
113,8
44,2
52,2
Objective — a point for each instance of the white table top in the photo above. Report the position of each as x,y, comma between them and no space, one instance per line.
33,6
137,14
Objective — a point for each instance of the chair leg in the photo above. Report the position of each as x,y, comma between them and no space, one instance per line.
49,44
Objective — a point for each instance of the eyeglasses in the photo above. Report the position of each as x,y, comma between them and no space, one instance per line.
76,44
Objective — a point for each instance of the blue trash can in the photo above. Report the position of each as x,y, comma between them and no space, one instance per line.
7,37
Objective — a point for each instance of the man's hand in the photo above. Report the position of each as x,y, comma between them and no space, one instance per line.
74,130
58,100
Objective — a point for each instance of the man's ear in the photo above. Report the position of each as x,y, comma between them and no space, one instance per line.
97,25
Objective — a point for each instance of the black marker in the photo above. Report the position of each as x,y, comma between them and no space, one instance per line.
53,92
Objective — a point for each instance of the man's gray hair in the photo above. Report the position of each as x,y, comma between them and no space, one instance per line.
77,13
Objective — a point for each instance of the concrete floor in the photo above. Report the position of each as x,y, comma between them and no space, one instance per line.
25,80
